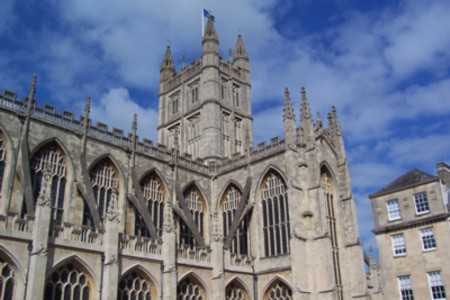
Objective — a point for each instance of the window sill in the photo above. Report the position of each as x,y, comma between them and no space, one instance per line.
422,213
429,250
394,220
399,255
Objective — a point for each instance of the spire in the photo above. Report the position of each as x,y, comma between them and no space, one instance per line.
167,63
333,121
239,49
31,93
306,127
288,108
289,119
304,108
210,32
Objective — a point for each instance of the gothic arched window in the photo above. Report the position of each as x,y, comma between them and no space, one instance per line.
235,291
153,192
7,280
275,210
69,282
105,185
50,158
197,207
190,289
328,190
278,291
2,159
230,204
135,285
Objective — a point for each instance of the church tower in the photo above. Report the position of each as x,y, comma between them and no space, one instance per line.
206,105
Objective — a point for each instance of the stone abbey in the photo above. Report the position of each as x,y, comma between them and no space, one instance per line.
92,213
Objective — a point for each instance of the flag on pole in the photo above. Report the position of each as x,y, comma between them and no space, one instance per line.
206,15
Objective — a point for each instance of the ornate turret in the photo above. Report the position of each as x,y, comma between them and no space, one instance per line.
289,119
167,70
306,126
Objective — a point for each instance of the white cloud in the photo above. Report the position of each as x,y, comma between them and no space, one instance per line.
420,150
116,107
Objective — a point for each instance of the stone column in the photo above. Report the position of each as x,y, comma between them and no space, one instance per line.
111,274
217,259
39,252
300,219
169,289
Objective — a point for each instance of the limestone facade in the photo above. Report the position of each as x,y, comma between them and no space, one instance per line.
92,213
413,235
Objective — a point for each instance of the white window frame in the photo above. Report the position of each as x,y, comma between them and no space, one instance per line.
390,212
427,232
405,283
427,201
396,245
437,281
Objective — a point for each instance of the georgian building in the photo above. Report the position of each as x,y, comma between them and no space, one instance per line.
88,212
413,235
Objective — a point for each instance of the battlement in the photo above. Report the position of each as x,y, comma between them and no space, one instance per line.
100,131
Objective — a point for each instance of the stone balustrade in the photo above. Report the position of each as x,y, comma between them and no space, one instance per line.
13,226
78,236
197,256
139,246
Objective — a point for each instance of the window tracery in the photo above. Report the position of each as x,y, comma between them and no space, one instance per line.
275,210
7,280
190,289
278,291
230,204
50,159
236,291
105,185
68,282
133,286
329,191
196,205
153,192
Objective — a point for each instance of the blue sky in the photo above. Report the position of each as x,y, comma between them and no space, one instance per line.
384,64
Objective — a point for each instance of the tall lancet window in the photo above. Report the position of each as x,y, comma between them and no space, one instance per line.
329,190
230,204
275,210
2,159
197,207
153,192
105,185
50,158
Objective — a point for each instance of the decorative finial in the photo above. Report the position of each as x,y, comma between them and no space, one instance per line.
31,93
135,124
87,110
304,107
288,108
